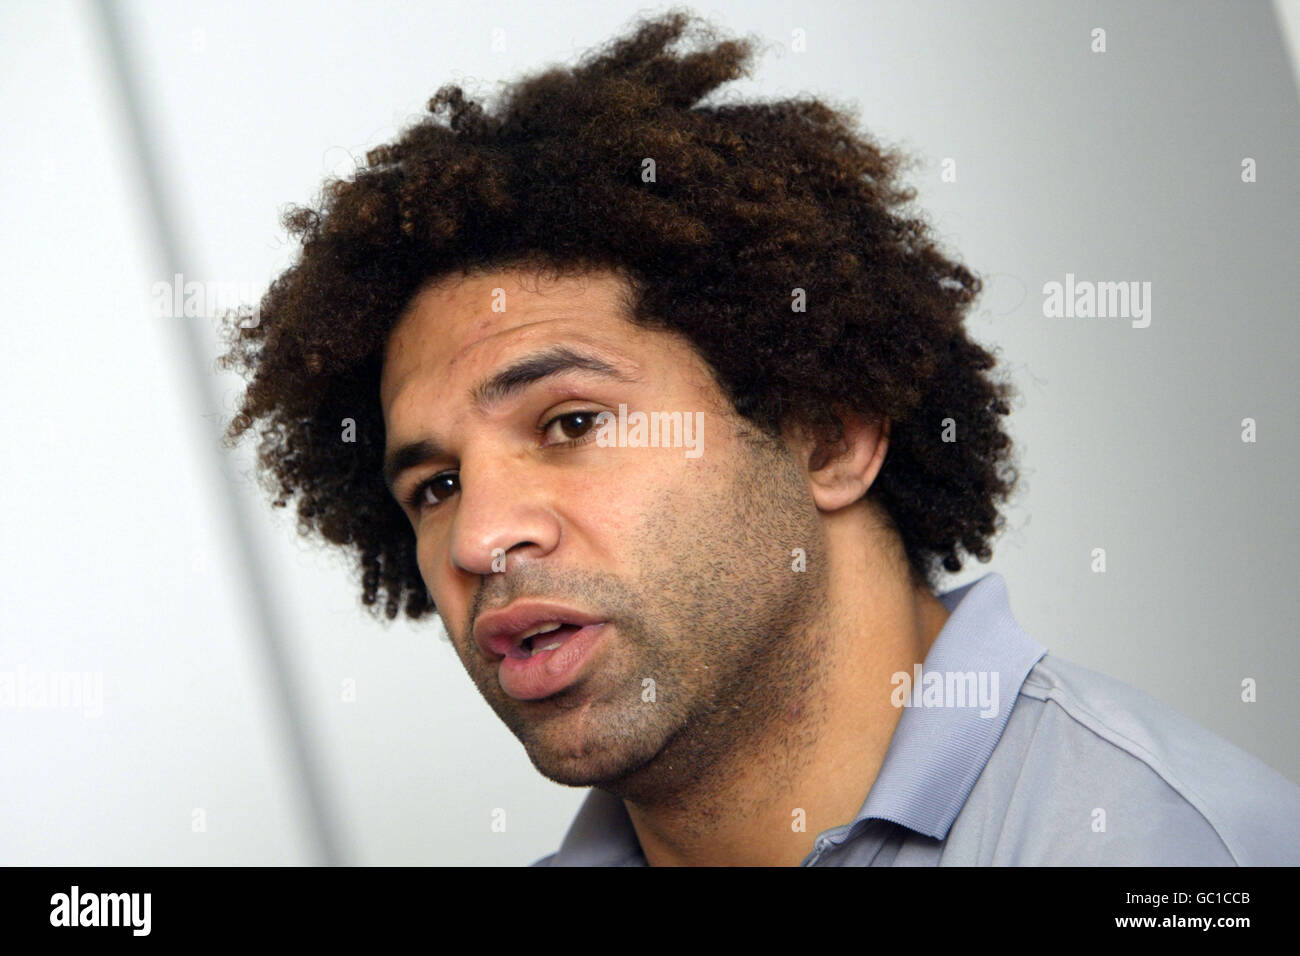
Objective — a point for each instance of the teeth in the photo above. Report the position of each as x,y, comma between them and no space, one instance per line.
548,647
544,628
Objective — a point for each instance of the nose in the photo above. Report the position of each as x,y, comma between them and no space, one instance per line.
500,511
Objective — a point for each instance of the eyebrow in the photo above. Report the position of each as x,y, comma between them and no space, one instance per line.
554,360
502,385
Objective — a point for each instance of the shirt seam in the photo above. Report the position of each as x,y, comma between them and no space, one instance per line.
1065,701
1020,773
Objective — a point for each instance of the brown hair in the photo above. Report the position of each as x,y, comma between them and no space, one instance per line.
748,202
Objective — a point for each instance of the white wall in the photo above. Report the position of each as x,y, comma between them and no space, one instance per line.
117,554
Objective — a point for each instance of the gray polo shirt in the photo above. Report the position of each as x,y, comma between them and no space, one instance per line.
1007,755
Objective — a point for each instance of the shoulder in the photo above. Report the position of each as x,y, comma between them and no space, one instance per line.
1125,779
544,861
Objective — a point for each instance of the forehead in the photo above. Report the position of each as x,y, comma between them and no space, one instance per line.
461,322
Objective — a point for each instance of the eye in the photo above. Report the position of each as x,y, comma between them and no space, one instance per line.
433,492
574,426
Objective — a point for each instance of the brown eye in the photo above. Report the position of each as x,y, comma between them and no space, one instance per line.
577,424
436,490
574,425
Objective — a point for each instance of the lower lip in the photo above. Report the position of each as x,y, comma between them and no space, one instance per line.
547,673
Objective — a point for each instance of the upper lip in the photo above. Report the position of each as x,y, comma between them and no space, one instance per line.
495,631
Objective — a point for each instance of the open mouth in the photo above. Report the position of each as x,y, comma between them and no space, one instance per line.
541,639
549,657
540,648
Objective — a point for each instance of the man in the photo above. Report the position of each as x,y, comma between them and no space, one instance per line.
670,415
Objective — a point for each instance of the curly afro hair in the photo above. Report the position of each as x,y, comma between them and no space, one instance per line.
746,204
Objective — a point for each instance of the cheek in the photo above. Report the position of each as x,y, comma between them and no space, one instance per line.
429,552
600,521
619,502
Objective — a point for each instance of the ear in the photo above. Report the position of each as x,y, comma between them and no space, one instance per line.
840,473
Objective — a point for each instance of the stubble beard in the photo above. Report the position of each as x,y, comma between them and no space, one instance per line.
731,649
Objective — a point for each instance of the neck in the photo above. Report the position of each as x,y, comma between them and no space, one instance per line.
812,771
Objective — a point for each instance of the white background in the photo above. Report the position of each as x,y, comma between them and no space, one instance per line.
117,554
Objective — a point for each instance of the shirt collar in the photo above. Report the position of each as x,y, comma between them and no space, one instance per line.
934,756
937,753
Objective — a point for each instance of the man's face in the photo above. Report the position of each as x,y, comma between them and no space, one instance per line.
679,558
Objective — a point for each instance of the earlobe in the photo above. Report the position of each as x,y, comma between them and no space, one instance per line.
841,473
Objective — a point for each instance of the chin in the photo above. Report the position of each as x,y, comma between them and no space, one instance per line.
605,762
592,771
